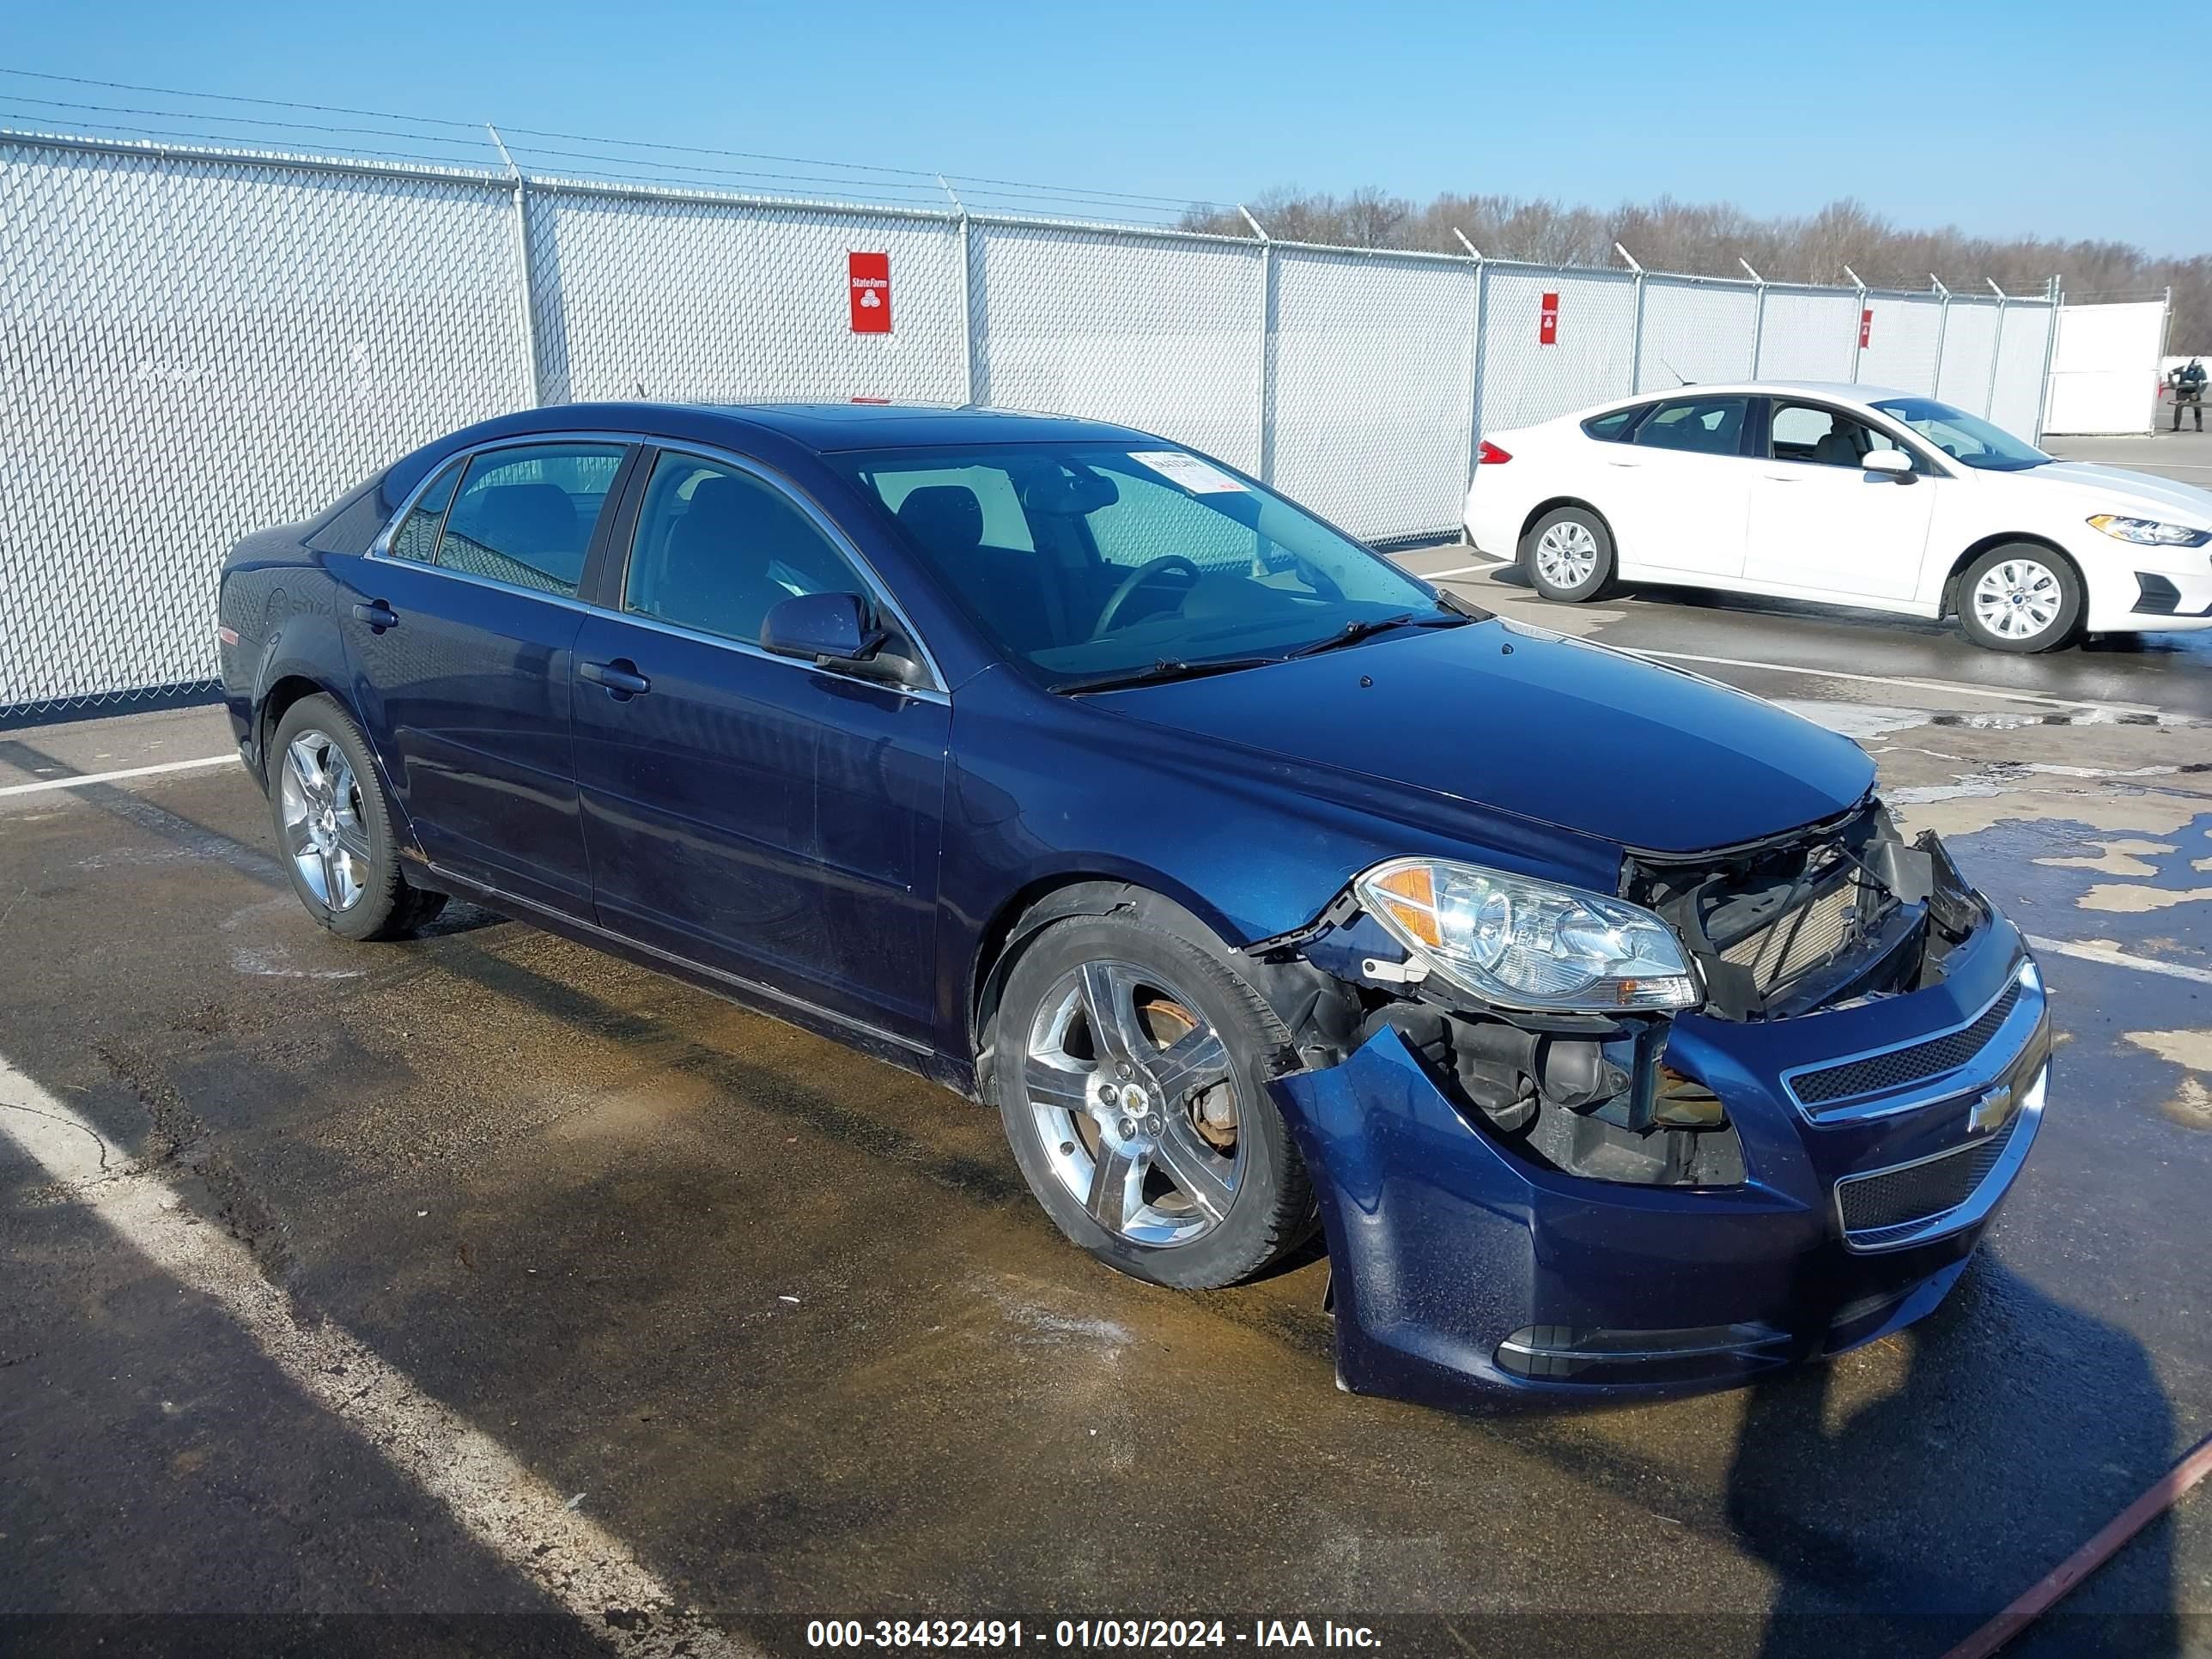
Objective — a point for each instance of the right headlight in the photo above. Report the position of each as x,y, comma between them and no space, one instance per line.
1524,944
2149,532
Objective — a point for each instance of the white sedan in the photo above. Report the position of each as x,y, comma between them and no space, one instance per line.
1847,495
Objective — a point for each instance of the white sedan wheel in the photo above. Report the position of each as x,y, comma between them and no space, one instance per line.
1567,553
2019,599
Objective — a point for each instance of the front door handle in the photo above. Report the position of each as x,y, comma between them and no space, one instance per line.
377,614
620,677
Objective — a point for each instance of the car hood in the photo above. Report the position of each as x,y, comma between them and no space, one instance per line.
1524,721
2124,487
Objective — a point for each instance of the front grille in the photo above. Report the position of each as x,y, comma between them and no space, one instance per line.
1878,1208
1898,1068
1805,938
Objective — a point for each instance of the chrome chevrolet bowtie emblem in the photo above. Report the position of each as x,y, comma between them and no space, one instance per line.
1991,1111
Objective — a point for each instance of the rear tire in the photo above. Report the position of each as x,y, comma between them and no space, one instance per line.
334,826
1568,554
2020,597
1156,1147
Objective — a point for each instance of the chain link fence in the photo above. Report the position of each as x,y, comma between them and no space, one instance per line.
196,343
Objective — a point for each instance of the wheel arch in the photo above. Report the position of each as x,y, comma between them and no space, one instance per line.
1301,997
1552,505
292,684
275,702
1039,903
1947,603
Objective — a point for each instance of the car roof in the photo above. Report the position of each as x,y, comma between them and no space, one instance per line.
1852,392
827,427
814,428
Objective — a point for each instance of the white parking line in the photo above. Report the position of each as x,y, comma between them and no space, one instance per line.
1456,571
579,1565
84,779
1968,686
2112,959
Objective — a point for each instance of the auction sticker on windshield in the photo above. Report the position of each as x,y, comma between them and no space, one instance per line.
1189,472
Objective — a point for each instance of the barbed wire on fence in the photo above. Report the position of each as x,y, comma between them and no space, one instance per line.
264,324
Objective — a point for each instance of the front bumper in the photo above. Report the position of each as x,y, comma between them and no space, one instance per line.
2134,588
1465,1271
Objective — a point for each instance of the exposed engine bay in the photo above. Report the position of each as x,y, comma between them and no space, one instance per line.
1826,916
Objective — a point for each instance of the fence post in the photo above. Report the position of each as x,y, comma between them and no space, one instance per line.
2049,350
1997,354
1942,328
1475,357
1266,346
1858,323
1636,328
1757,314
967,298
526,272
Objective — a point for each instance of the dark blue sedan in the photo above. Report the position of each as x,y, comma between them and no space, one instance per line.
1596,1014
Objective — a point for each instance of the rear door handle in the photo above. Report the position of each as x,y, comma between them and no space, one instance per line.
377,614
620,678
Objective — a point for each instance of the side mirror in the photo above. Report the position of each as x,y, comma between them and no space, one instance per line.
1894,463
821,628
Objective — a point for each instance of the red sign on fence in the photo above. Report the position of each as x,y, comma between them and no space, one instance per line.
868,275
1866,326
1548,322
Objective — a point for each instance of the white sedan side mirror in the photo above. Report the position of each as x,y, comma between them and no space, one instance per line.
1894,462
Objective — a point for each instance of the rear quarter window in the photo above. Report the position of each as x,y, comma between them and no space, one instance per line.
1614,428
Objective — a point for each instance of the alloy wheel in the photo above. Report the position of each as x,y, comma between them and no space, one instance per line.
2018,598
1135,1100
324,836
1566,553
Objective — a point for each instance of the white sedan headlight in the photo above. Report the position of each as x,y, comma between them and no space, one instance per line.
2150,533
1523,944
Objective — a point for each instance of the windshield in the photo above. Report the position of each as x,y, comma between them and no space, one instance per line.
1084,562
1966,439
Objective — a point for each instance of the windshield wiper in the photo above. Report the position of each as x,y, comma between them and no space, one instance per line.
1353,632
1167,668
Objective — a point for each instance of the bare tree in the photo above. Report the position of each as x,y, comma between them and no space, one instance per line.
1707,239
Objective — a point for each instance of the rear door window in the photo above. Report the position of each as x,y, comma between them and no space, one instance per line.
524,516
1710,426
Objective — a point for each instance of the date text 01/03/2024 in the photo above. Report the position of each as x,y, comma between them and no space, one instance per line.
989,1635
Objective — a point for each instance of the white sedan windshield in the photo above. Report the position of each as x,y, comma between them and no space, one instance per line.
1966,439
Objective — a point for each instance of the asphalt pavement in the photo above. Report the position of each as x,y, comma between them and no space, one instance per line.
481,1294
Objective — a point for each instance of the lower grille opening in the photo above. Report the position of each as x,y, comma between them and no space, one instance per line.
1892,1204
1564,1353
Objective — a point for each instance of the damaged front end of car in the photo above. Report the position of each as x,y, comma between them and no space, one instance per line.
1753,1107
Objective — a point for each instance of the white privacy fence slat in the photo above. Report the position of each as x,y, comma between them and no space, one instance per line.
195,345
1373,387
1695,333
1904,337
1809,334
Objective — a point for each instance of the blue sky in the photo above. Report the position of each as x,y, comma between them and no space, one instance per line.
2003,119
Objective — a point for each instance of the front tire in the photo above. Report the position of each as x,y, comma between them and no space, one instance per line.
1132,1081
334,826
1569,555
2021,596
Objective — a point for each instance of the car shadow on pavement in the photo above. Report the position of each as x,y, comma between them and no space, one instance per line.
1899,1524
